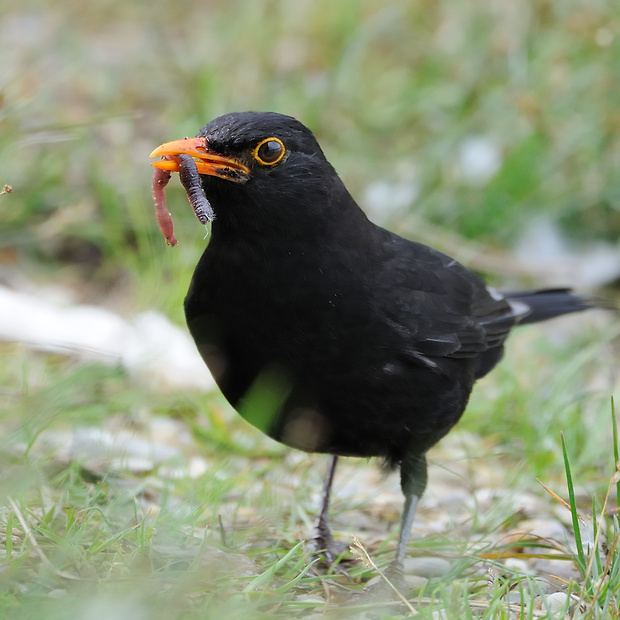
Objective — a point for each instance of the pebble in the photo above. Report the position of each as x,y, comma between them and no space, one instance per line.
558,601
518,565
515,598
426,567
311,598
544,586
415,582
545,528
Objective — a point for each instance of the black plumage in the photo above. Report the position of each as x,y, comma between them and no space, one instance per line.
327,332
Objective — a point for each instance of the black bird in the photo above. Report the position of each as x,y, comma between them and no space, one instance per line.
327,332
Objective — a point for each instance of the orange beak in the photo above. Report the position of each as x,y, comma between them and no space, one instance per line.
206,162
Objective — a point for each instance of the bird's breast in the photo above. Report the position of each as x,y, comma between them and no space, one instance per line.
296,344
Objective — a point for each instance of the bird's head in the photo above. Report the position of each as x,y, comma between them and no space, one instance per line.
259,165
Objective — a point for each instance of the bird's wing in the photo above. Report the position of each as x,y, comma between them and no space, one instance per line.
442,309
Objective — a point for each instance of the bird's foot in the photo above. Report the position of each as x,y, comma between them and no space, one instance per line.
329,552
391,585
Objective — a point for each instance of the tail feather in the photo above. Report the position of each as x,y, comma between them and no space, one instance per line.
549,303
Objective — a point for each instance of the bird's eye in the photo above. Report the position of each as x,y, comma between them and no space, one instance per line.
269,151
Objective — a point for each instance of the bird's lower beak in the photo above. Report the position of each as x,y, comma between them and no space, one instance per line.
206,162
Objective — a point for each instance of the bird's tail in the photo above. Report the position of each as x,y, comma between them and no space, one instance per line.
549,303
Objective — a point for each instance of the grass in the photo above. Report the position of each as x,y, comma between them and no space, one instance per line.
211,528
90,536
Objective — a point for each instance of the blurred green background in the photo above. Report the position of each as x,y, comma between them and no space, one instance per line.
394,92
460,123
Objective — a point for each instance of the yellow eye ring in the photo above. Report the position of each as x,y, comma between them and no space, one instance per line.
269,151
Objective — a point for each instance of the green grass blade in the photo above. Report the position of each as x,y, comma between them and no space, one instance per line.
287,586
264,579
581,557
9,537
597,568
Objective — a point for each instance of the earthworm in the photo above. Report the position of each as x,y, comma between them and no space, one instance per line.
190,179
164,218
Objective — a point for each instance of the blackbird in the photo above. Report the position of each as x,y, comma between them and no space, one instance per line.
325,331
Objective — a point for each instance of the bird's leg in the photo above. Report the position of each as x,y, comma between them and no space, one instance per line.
413,482
413,477
322,543
395,571
411,503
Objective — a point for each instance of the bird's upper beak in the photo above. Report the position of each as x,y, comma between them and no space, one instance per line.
207,162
